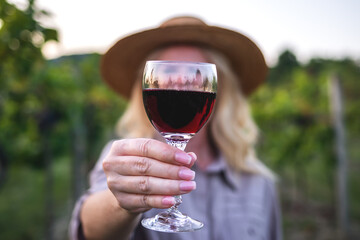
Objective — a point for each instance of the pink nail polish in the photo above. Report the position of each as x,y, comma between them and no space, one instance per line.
182,157
193,156
187,185
186,174
168,201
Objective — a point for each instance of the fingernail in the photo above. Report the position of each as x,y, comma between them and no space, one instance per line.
186,174
187,185
168,201
193,156
182,157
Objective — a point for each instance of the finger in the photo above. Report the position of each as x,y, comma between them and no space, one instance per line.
142,166
138,203
152,149
150,185
193,159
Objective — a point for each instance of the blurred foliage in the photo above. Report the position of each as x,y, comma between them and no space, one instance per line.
36,96
21,39
44,103
298,141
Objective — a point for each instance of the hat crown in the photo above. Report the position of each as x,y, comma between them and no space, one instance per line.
181,21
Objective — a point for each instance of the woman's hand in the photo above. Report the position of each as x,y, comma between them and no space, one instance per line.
146,173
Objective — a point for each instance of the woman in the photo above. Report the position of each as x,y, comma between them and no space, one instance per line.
235,194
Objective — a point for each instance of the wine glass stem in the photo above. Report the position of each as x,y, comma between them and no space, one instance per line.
180,144
178,201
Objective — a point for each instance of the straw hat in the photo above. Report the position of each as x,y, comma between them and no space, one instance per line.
121,63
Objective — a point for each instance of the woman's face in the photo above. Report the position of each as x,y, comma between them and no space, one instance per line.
182,53
193,54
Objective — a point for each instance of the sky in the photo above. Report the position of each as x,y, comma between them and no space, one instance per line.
309,28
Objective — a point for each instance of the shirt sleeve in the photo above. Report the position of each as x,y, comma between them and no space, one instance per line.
97,179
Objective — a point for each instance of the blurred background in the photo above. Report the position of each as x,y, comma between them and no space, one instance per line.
56,114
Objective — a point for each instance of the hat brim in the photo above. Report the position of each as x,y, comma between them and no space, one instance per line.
120,64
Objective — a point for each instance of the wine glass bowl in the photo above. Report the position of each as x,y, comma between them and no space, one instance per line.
178,98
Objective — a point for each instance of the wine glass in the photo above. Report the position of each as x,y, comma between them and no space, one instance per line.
178,98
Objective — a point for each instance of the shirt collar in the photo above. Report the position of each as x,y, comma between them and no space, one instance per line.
229,175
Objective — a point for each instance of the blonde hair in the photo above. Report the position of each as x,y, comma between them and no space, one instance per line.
134,122
232,128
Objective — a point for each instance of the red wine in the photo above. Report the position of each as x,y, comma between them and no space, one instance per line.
178,111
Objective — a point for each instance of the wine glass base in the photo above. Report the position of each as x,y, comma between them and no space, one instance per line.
172,221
